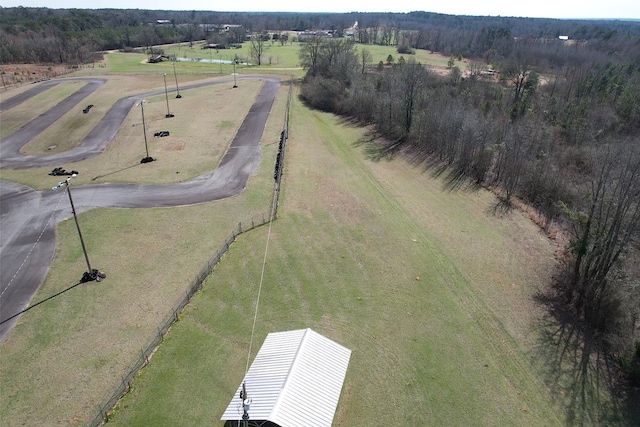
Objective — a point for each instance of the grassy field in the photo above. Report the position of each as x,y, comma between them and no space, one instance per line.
275,55
431,291
63,358
287,57
380,53
379,258
194,146
16,117
276,59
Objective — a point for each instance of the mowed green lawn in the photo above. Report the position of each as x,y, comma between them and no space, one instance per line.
287,57
430,291
381,53
276,58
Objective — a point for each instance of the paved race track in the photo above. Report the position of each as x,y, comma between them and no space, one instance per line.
28,217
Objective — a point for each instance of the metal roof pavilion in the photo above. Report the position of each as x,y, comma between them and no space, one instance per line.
295,380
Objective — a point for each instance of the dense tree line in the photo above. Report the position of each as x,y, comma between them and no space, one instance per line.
71,35
565,142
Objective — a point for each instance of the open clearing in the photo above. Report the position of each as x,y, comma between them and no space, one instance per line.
431,291
361,253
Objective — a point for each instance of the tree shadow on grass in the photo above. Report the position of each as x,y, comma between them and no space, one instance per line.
581,375
501,208
378,148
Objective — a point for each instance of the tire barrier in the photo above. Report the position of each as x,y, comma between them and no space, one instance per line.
62,172
277,174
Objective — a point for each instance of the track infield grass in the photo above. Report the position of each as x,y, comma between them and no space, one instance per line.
65,357
428,288
195,145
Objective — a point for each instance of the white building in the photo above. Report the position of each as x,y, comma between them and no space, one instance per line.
295,380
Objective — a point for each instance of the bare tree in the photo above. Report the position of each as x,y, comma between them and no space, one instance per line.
365,58
310,53
396,34
603,232
387,35
517,70
456,75
476,69
258,47
413,77
283,38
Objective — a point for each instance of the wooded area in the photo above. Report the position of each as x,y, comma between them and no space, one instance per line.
550,121
558,128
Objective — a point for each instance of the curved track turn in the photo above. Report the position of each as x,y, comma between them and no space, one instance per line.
28,217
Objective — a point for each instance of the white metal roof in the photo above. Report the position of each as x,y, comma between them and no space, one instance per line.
295,380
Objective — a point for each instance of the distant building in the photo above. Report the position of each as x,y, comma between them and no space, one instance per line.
163,22
229,27
351,31
563,37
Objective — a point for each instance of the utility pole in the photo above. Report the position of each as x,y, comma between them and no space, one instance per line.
91,274
166,95
246,403
176,77
234,73
144,130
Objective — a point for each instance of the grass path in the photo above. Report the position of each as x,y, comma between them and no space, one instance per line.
359,253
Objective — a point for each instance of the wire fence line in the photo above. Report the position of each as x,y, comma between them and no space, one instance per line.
124,384
102,412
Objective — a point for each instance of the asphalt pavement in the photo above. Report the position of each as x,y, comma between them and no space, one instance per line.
28,217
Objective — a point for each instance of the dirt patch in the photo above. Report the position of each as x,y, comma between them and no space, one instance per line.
19,74
557,235
174,146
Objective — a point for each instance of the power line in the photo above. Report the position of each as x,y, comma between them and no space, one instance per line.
264,263
246,402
